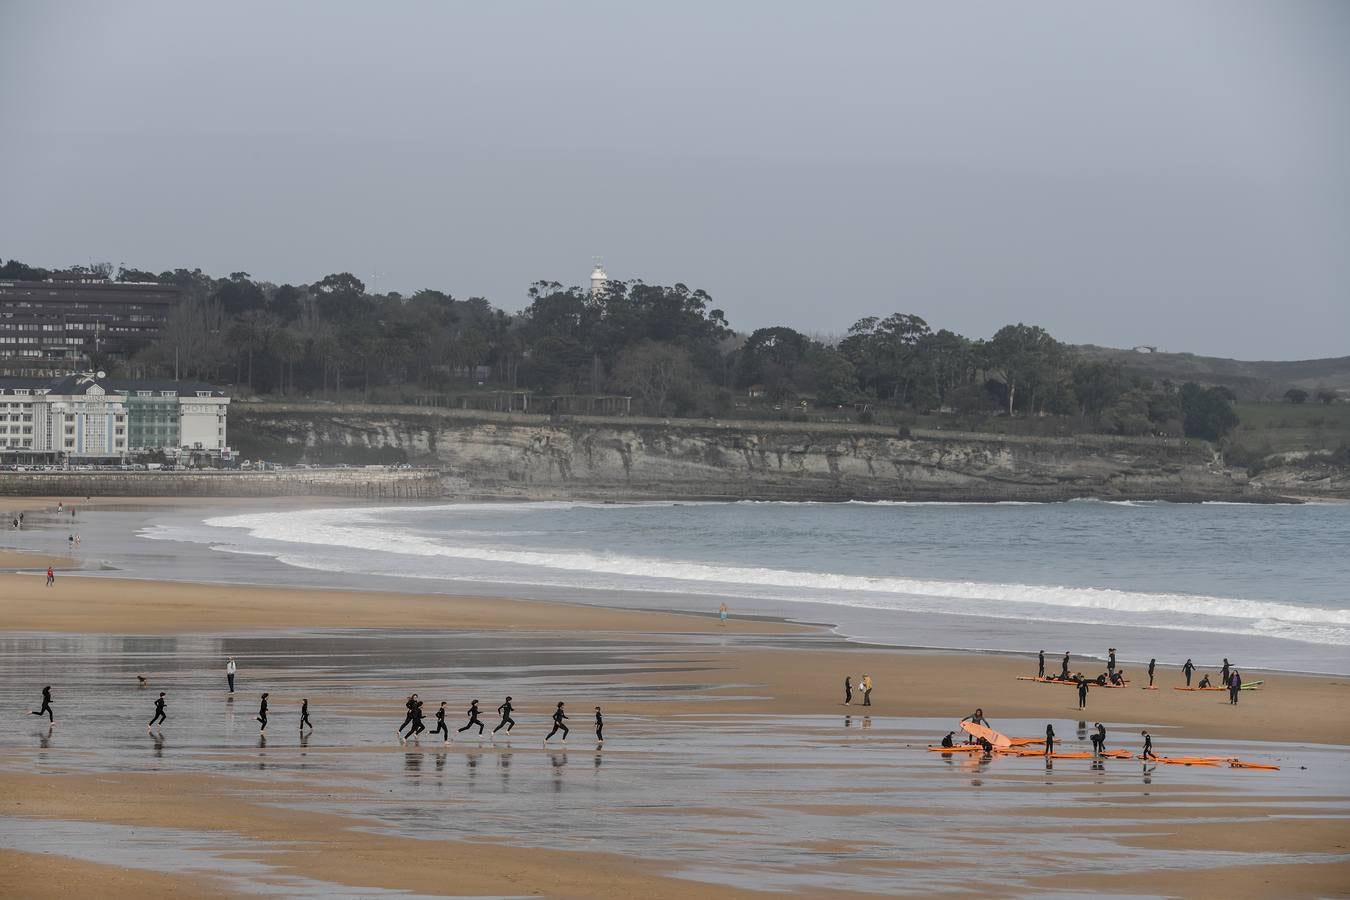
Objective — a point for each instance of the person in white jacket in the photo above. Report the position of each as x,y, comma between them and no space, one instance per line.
229,673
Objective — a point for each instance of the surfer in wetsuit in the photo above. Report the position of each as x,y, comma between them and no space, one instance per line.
262,714
1082,694
1204,681
599,726
977,718
505,712
304,715
1049,739
1064,666
1148,746
46,705
1101,738
473,718
410,704
159,712
440,724
1111,660
1152,663
1040,664
1225,671
987,747
848,690
558,716
1187,670
947,741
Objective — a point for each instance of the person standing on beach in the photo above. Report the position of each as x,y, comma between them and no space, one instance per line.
867,689
848,691
304,714
46,705
1040,665
1082,693
722,613
51,577
1101,738
1234,686
230,669
1049,739
410,704
1225,671
558,716
1111,661
505,712
599,726
1187,670
262,713
977,718
1152,663
440,724
159,712
473,718
1148,746
1064,666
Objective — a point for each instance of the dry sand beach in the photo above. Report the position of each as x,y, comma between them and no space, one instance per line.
730,767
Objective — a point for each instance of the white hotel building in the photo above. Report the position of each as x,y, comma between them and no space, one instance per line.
93,418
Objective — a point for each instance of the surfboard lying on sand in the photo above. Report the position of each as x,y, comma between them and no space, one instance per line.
989,734
1181,761
1024,742
959,748
1239,764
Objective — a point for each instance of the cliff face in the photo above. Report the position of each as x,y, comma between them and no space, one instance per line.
512,456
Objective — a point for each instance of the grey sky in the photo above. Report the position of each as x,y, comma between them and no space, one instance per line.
1153,171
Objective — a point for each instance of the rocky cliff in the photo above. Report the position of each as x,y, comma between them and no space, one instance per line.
515,456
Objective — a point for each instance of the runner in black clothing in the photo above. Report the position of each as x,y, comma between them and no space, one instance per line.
1082,693
1148,746
1151,664
1064,666
440,724
304,715
599,726
1187,670
848,690
159,712
411,705
1049,739
417,726
1040,665
558,716
505,712
46,705
262,714
473,718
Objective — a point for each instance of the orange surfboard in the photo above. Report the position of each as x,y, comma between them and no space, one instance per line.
989,734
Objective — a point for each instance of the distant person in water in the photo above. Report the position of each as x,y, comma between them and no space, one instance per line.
472,712
558,716
505,712
230,669
599,726
1082,694
722,613
159,716
441,728
1049,739
1148,746
304,714
1040,664
262,713
1064,666
1187,670
1152,664
46,707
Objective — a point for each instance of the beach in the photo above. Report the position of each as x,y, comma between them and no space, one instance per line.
731,766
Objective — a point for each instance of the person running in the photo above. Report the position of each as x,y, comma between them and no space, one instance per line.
848,691
230,669
410,704
867,689
505,712
416,727
46,705
722,613
558,716
1225,671
1049,739
1111,660
1148,747
1040,664
304,714
1152,664
51,577
440,724
599,726
947,741
1064,666
472,712
262,713
1187,670
1082,693
159,712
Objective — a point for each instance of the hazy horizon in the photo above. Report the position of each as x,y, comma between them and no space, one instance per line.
1146,174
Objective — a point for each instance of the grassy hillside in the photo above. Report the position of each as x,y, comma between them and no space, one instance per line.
1249,380
1268,428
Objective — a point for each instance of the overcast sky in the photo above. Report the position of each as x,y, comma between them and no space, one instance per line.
1150,171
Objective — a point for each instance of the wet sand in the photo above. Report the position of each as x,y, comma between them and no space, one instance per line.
731,765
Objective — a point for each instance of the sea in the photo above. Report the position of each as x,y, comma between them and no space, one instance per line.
1266,586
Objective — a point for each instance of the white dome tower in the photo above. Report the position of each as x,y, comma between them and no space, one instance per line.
598,279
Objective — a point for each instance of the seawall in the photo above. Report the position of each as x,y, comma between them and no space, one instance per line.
354,483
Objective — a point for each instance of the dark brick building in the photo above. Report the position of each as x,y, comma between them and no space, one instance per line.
51,326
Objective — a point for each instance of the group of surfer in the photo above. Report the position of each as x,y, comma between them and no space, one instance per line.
980,723
1229,678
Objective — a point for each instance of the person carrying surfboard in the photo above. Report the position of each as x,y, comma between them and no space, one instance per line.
977,717
1187,670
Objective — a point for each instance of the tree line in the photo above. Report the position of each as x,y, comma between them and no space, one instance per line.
667,346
